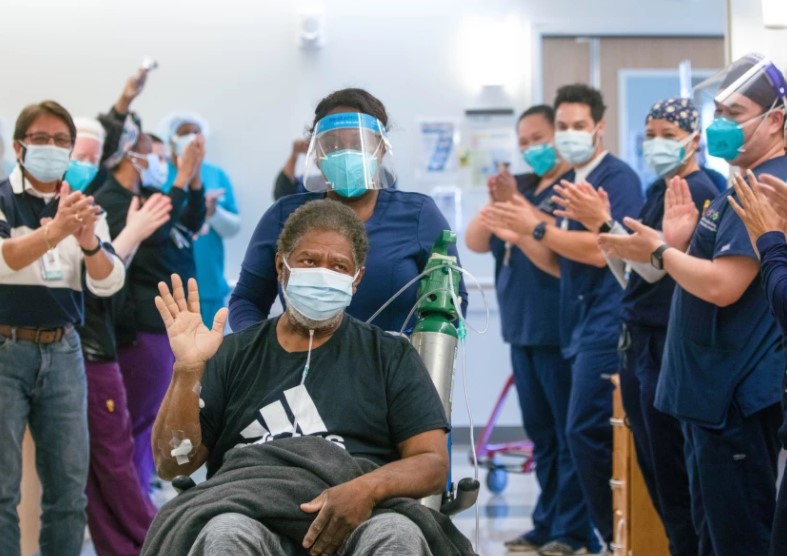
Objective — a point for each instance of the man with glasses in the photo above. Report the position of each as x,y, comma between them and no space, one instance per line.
48,234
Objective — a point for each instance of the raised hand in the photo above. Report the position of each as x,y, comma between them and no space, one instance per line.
131,90
680,214
581,202
144,219
636,247
754,209
300,146
189,338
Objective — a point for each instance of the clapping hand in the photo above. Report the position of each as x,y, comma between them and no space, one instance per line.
211,201
502,187
518,216
754,210
583,203
190,163
680,214
636,247
144,219
775,190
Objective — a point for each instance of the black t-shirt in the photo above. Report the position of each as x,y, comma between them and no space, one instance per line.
366,389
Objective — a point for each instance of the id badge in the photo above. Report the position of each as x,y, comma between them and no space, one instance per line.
51,269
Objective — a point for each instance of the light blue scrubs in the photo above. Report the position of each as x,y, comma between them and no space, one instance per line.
209,247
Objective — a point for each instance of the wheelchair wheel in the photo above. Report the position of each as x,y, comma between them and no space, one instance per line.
496,480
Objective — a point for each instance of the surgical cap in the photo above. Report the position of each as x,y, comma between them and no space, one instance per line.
169,125
90,127
678,111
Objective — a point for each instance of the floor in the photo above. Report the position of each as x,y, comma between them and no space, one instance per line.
501,516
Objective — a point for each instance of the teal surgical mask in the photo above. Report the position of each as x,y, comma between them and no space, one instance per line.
575,147
725,138
319,294
664,156
80,174
725,135
46,163
349,172
541,158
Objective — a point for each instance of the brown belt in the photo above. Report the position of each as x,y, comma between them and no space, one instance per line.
36,335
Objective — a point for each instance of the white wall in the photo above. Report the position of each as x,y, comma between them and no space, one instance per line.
748,34
237,63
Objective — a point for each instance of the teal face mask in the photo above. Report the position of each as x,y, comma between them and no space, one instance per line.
80,174
725,138
541,158
349,171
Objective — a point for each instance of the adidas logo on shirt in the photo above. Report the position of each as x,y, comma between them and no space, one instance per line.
273,420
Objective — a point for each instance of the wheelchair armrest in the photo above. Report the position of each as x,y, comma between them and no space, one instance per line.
465,496
182,483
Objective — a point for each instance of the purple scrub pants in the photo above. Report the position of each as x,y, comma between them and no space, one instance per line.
147,369
119,512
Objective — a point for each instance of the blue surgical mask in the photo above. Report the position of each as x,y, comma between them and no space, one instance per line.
349,171
319,294
541,158
725,138
80,174
182,141
46,163
575,147
664,156
156,173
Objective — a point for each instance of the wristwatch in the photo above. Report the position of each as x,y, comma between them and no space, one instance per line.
657,257
606,227
96,249
539,231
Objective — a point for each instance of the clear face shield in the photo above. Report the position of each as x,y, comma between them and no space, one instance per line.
743,93
349,153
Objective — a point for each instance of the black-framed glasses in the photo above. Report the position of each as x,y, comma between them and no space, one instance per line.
59,139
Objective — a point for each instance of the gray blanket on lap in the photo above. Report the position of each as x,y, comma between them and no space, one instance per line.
268,482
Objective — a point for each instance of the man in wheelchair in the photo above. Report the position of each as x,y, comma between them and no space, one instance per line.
318,430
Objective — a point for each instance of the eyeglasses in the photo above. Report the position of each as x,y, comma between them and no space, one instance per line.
61,139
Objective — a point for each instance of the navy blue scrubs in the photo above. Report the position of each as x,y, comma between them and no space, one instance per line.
721,377
589,329
658,439
773,260
528,298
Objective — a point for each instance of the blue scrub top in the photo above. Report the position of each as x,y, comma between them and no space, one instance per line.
715,356
590,296
402,231
527,297
646,304
209,248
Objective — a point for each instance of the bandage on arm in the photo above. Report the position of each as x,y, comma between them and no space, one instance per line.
177,436
646,270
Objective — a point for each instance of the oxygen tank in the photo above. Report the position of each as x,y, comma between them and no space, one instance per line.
435,338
